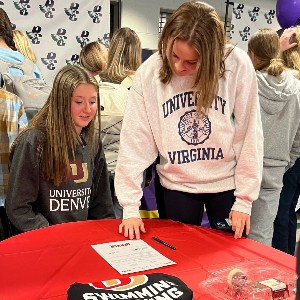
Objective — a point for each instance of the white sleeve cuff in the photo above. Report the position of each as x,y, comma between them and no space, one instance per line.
242,205
131,212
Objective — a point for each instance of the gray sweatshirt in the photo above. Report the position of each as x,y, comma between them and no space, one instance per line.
280,113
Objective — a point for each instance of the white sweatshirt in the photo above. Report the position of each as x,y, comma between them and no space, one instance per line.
218,152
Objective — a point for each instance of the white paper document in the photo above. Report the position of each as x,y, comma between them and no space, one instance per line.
132,256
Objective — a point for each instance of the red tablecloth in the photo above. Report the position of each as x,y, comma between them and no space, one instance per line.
43,263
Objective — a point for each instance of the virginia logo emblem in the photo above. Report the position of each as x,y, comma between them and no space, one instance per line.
194,128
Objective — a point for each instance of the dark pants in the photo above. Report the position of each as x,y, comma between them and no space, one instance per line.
188,208
6,228
285,224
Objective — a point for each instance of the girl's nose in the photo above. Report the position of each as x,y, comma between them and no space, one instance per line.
87,107
179,67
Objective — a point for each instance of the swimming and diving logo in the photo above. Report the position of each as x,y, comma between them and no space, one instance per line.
121,284
194,128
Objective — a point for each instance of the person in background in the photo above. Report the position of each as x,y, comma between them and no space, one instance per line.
23,45
285,224
124,57
58,171
287,37
188,104
93,57
291,52
8,50
279,96
13,121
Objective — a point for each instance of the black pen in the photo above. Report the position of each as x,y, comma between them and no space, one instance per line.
164,243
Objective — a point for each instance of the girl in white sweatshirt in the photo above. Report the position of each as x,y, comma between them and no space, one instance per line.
195,104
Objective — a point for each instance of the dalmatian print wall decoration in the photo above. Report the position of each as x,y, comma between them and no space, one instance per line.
83,38
50,61
238,11
59,29
74,60
253,14
96,14
22,6
104,40
60,36
270,16
231,31
48,8
35,34
245,33
246,20
72,11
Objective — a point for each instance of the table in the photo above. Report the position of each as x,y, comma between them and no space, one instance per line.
43,263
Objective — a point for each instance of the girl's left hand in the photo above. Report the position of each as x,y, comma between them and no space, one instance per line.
239,220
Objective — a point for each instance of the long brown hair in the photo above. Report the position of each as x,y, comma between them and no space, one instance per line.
56,122
199,25
124,55
6,31
93,57
264,44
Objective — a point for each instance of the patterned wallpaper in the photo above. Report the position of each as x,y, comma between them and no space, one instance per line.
246,20
59,29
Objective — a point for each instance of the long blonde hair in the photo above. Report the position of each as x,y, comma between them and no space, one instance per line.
291,57
23,45
199,25
264,44
56,122
124,55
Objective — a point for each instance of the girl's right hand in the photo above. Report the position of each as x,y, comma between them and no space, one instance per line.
285,39
132,228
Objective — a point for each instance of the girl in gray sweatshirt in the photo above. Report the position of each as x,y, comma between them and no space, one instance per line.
279,97
58,171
